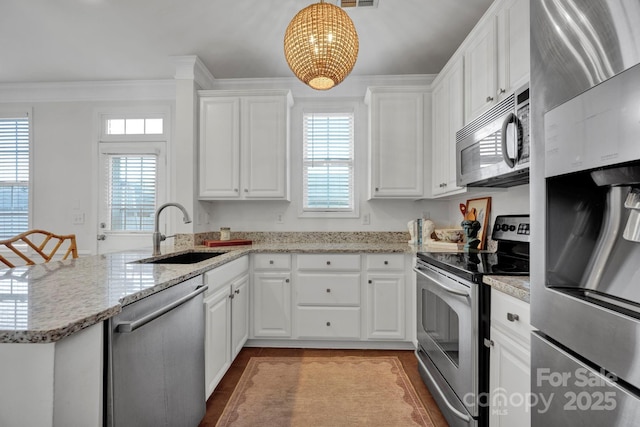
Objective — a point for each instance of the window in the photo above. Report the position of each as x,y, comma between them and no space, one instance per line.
137,126
14,175
327,165
131,194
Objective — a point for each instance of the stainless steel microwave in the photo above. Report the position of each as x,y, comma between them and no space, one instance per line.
493,149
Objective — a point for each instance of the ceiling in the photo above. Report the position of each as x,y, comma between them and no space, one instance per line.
89,40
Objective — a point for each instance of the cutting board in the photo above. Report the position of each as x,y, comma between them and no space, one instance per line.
233,242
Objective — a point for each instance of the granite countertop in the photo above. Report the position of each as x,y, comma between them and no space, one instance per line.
47,302
516,286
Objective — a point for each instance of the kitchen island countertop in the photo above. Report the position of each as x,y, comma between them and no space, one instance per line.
51,301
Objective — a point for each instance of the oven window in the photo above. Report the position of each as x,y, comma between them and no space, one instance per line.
440,322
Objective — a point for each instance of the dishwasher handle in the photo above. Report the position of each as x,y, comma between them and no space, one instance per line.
126,327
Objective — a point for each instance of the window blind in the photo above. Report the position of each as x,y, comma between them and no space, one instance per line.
14,176
132,192
328,162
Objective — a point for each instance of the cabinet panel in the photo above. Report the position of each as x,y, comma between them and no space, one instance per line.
448,118
396,142
264,130
328,262
217,339
323,322
239,314
220,147
480,62
385,306
328,289
509,369
244,144
272,261
272,304
385,262
513,45
511,315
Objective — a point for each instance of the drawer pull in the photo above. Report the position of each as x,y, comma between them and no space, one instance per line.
286,280
271,261
370,281
328,323
328,290
328,262
386,263
511,317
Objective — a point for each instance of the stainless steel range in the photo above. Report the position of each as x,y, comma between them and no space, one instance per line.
453,310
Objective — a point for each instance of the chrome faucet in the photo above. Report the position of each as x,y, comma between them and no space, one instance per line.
159,237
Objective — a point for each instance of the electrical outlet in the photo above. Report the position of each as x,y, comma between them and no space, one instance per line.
78,218
366,219
280,218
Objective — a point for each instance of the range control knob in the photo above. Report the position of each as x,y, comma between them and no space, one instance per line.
505,227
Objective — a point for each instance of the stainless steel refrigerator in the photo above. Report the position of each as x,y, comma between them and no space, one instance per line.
585,184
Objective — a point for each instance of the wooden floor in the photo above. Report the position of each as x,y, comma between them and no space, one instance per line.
222,393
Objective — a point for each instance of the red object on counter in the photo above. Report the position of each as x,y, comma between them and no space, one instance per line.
233,242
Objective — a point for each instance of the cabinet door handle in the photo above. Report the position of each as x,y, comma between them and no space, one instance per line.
488,343
328,262
246,190
286,280
328,323
502,91
512,317
235,189
328,290
370,281
377,189
237,291
489,98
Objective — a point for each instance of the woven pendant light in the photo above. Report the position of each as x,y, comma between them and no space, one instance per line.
321,45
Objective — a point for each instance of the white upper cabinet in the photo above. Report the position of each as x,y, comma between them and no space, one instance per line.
397,129
496,55
448,113
244,144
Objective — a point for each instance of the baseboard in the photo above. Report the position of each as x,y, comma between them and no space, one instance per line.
355,345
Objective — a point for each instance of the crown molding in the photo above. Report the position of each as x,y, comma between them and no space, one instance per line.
126,90
190,67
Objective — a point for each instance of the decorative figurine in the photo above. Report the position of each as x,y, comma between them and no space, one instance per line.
471,229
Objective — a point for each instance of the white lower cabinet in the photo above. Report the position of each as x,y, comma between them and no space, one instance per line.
272,296
227,318
510,362
327,289
331,297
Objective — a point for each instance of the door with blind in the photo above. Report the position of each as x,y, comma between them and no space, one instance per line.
131,187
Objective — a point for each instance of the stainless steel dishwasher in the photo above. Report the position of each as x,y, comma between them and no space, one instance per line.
155,360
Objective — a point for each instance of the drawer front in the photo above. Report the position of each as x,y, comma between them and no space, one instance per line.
222,275
272,261
328,289
329,323
510,314
385,262
328,262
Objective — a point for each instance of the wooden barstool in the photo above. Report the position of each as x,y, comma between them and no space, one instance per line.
43,244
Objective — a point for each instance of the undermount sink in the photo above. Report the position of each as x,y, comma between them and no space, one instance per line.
184,258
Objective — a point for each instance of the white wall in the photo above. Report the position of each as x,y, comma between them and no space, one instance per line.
64,138
65,161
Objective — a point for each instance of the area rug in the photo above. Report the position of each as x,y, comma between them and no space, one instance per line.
324,392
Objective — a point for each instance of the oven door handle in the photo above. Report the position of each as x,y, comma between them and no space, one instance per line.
465,417
446,288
